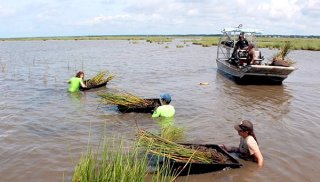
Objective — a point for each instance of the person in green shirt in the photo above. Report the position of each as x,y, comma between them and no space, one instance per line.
76,81
166,111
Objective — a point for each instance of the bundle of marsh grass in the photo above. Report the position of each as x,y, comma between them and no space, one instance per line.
99,78
123,99
177,152
280,59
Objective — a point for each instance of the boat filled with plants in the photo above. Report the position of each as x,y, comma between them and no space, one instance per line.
99,80
187,158
127,102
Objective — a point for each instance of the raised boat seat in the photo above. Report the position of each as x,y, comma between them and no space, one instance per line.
257,57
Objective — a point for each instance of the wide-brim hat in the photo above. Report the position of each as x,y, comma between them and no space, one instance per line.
245,125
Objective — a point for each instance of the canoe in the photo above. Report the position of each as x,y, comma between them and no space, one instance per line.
141,108
199,168
93,87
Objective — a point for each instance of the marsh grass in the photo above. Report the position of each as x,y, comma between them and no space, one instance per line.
158,39
284,51
99,78
162,147
206,41
296,43
123,98
119,162
172,133
281,56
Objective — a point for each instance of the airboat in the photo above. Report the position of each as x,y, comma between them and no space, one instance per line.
228,60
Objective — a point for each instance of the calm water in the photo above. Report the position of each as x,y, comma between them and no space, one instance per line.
44,129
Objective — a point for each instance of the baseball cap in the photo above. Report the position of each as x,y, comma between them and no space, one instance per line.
166,97
245,125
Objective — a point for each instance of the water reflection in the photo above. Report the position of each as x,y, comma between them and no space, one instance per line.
77,98
41,116
256,100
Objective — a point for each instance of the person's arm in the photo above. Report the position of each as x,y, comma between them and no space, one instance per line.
252,56
259,158
229,149
156,113
236,47
255,151
83,85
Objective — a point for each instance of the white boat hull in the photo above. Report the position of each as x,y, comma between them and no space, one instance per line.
256,74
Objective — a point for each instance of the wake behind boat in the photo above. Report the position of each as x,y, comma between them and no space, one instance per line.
234,64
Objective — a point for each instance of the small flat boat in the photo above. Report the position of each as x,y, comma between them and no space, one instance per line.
141,108
94,86
199,168
259,73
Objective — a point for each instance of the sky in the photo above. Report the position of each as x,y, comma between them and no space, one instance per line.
40,18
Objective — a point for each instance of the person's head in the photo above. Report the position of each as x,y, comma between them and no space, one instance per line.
80,74
250,46
241,36
245,128
165,97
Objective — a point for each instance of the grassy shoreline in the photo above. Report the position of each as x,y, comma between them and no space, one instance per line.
205,41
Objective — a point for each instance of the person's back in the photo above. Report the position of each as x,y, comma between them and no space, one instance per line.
75,83
165,112
247,147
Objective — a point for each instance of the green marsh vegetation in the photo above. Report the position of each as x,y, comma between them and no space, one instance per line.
312,44
281,56
99,78
120,162
172,133
158,39
134,39
205,41
163,147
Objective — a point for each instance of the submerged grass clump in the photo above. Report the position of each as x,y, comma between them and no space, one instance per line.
172,133
119,164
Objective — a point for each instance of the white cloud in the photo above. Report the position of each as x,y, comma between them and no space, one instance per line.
6,11
158,16
281,9
193,12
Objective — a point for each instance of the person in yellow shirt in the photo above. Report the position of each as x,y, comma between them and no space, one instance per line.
76,81
166,111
